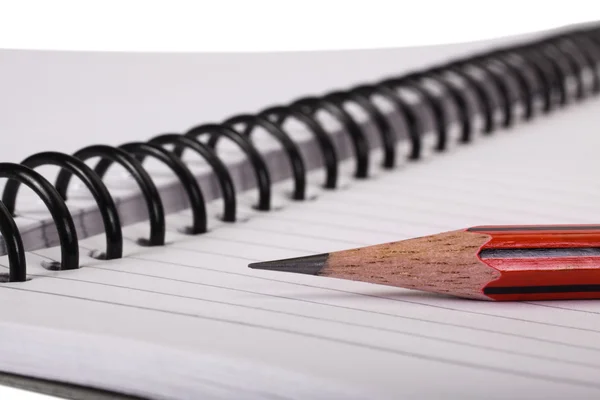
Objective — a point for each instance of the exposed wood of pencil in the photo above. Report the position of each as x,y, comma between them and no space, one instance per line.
443,263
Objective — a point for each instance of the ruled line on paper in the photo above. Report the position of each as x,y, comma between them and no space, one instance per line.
271,246
330,289
329,305
449,361
490,208
564,308
380,297
437,306
302,235
489,331
317,223
333,211
354,324
492,189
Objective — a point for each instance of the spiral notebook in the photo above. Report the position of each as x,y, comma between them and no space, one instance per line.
172,311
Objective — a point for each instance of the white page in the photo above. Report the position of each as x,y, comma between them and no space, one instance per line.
198,296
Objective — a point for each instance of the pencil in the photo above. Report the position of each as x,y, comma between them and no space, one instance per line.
494,263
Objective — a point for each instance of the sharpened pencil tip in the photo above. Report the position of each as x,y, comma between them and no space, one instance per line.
310,265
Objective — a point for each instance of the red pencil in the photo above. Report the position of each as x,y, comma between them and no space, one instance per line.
498,263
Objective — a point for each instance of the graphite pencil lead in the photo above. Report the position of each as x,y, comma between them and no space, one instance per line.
310,265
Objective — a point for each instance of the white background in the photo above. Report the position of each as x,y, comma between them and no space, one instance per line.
227,25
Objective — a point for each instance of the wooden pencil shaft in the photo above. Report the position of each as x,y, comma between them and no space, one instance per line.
510,262
501,263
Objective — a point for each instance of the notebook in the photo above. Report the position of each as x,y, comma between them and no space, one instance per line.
506,136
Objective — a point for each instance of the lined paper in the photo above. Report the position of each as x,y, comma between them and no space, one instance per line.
196,296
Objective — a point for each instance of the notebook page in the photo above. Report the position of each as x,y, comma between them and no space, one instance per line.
197,295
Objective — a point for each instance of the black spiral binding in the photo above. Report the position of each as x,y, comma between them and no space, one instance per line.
538,76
